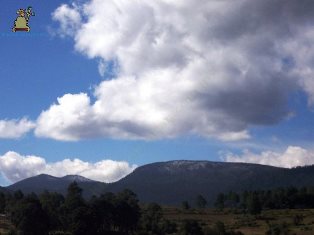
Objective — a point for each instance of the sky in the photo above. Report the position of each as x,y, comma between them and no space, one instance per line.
100,87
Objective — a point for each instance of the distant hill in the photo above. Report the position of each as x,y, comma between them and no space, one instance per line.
175,181
39,183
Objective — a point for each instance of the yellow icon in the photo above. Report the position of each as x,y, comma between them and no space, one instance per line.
21,22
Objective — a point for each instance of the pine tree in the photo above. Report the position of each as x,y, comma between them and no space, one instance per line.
185,205
201,201
220,201
254,204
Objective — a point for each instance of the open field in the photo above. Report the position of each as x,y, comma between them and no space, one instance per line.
248,224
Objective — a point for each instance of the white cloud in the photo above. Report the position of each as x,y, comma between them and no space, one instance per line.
209,68
71,112
12,129
293,156
69,19
16,167
233,136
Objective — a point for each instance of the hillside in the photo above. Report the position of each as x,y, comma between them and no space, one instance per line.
175,181
43,182
172,182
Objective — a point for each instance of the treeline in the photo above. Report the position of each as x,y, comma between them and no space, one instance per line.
109,214
255,201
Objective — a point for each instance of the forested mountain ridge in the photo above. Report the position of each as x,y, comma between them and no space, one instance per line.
176,181
42,182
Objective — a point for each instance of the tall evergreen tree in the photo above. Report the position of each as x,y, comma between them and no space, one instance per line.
127,211
51,204
185,205
29,217
71,210
201,201
74,198
220,201
2,203
254,204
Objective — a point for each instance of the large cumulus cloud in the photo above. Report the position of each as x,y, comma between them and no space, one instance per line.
293,156
209,68
13,129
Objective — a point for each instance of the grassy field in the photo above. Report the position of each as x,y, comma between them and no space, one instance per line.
247,224
297,221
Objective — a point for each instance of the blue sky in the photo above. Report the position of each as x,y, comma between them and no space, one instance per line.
243,108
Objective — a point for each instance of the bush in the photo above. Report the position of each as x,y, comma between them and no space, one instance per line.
277,229
298,219
191,227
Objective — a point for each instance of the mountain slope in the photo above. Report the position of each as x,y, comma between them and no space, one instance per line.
175,181
39,183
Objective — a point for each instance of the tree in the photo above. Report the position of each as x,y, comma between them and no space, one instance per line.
18,195
51,204
73,203
83,221
185,205
127,211
201,201
220,201
234,199
244,199
151,218
254,204
104,210
153,223
74,197
115,214
29,217
2,203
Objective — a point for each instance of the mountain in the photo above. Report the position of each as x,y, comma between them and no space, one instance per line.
76,178
39,183
176,181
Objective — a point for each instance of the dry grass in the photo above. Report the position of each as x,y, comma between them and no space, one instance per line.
247,224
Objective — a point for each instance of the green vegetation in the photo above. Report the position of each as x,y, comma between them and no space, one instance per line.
121,214
185,205
109,214
201,201
254,201
51,213
233,222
